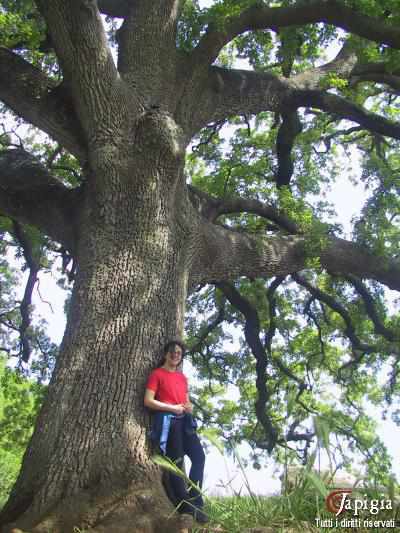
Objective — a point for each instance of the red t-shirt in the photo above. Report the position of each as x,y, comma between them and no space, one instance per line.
169,387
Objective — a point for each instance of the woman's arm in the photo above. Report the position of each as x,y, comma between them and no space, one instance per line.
152,403
188,404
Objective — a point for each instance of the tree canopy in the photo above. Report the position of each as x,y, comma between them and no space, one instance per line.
275,100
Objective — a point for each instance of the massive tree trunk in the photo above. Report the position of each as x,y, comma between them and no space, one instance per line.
88,463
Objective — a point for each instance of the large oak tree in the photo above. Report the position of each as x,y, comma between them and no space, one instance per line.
142,238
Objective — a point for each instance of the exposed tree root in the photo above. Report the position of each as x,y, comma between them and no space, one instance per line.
139,511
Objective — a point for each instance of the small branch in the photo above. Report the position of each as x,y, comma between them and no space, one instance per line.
40,296
308,312
220,317
338,308
272,312
389,334
212,208
252,336
213,130
327,139
25,307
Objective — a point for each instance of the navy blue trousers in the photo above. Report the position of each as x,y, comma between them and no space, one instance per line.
179,444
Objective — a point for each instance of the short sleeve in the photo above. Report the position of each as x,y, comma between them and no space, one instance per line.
153,382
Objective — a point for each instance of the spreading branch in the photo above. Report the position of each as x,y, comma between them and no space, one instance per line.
252,332
38,100
252,336
223,254
330,301
260,17
230,92
370,307
378,72
211,208
31,195
342,108
88,67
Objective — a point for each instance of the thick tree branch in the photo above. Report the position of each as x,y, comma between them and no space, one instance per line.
147,44
114,8
378,72
260,17
81,46
342,108
288,131
119,8
341,256
231,92
29,194
224,255
387,79
211,208
36,98
341,66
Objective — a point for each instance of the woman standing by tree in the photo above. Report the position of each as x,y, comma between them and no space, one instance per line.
174,428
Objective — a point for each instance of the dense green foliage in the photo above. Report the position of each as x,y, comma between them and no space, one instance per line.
20,399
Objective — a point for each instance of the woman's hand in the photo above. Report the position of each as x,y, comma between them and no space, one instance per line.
188,407
178,409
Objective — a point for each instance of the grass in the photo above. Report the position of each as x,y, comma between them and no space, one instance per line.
294,512
284,514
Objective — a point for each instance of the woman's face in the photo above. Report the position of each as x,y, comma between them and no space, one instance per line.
174,356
